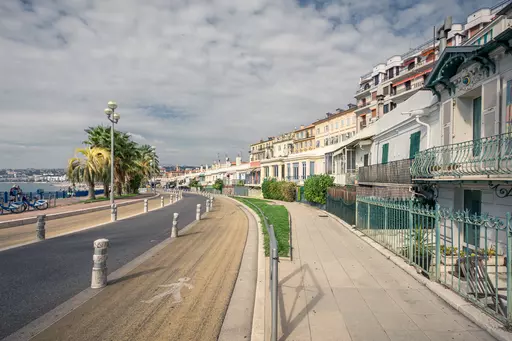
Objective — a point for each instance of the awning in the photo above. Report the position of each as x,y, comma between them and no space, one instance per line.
409,61
412,77
428,51
249,171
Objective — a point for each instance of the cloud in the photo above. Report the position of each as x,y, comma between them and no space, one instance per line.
192,77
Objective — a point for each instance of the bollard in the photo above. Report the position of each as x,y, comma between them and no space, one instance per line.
198,212
207,205
41,222
171,198
145,205
174,230
211,204
113,212
162,201
99,268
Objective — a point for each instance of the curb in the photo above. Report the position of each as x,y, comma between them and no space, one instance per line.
33,220
258,317
42,323
88,227
237,324
467,309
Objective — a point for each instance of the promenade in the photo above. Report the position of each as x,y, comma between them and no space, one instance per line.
339,288
12,236
181,293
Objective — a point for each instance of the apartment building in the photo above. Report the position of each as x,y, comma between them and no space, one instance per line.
335,127
274,167
262,150
304,139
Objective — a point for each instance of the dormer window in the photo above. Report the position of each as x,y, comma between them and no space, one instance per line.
366,86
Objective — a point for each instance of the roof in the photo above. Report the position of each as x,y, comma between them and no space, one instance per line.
335,115
453,57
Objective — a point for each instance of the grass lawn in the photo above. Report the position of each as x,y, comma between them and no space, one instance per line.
277,216
124,196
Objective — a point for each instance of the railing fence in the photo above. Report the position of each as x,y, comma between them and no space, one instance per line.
469,253
341,201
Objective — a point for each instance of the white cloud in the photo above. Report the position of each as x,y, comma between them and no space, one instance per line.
195,78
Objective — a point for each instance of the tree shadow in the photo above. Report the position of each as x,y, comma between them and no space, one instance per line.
287,325
135,275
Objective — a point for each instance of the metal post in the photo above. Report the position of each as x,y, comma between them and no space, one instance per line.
41,222
99,269
509,270
411,235
145,205
368,220
162,201
112,164
207,205
174,229
357,213
438,243
198,212
275,280
113,212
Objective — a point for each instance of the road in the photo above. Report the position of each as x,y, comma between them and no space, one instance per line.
181,293
38,277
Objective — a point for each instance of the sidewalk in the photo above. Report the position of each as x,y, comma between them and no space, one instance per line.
340,288
179,293
66,205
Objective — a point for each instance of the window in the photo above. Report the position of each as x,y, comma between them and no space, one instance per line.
337,124
304,170
386,91
374,96
391,73
367,86
397,70
318,130
385,152
393,90
296,171
310,143
414,144
392,106
342,122
365,160
276,171
317,144
376,79
386,108
311,167
374,112
408,85
278,148
325,142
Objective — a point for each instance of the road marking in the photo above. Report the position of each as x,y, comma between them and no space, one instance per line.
175,290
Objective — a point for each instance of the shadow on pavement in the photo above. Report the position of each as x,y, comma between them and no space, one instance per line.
135,275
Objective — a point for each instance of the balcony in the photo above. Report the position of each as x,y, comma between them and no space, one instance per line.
395,172
487,157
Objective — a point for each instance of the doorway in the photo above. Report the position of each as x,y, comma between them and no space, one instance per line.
477,125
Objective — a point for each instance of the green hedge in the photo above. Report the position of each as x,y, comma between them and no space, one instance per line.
315,188
278,190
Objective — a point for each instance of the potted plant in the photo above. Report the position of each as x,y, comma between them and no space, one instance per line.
419,249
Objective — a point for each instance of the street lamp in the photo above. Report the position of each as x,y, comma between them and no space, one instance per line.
113,117
153,164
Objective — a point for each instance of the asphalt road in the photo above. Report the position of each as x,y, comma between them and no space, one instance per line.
36,278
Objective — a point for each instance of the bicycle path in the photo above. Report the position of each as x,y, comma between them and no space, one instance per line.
340,288
38,277
181,293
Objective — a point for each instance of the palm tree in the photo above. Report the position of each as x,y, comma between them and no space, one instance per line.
89,167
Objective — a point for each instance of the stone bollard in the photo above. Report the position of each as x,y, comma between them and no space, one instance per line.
162,201
207,205
145,205
211,204
99,268
198,212
171,199
113,212
174,229
41,222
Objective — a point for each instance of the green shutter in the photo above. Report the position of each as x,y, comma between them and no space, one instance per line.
414,146
385,151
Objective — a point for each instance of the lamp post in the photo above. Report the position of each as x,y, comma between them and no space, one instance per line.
113,117
153,164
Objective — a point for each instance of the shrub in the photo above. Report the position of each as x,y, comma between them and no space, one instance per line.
218,184
315,188
278,190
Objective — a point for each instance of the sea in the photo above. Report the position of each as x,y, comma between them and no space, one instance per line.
28,187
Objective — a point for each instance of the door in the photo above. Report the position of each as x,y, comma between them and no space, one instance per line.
446,136
491,148
477,125
414,144
365,160
473,204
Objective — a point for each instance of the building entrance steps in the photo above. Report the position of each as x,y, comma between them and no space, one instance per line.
340,288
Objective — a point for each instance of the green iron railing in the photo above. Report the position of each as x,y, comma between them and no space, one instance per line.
487,156
471,254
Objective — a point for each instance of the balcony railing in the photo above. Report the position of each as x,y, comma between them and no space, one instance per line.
487,156
395,172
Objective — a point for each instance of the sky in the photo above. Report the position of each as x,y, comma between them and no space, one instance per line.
195,78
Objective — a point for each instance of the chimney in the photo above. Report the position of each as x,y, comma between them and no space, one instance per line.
339,110
301,126
351,105
328,114
238,160
442,33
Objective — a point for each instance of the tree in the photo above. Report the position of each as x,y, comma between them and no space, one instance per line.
88,168
315,188
218,184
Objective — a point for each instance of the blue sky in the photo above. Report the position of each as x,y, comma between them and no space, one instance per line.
192,77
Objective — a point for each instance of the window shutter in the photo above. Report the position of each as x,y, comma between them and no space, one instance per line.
385,151
446,123
490,113
414,146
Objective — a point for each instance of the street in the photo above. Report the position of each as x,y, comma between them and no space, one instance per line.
38,277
